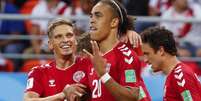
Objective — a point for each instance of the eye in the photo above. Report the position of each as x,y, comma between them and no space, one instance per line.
69,35
58,36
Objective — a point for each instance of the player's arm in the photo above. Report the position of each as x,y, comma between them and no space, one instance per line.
133,38
33,96
34,87
120,92
75,92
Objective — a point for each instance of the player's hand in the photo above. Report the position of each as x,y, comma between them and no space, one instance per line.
74,92
98,61
133,37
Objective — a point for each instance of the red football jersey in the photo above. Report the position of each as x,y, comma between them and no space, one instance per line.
182,84
47,80
123,65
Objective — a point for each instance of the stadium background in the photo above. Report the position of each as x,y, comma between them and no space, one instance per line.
18,20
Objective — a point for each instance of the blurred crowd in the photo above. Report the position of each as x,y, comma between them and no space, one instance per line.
187,34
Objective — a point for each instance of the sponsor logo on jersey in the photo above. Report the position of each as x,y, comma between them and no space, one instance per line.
186,95
30,83
77,76
130,76
52,83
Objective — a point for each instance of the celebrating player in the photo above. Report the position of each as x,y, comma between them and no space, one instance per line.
116,75
46,82
160,51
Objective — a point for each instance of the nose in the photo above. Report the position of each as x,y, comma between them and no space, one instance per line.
65,39
91,20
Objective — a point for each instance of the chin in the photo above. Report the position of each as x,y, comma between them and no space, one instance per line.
68,53
154,69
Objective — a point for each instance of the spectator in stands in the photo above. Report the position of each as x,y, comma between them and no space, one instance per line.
188,34
159,48
138,8
157,7
180,10
5,64
80,9
39,27
11,28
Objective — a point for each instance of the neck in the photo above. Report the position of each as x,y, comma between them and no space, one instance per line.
170,64
110,42
65,62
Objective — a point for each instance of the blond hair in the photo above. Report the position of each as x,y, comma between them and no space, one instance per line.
56,22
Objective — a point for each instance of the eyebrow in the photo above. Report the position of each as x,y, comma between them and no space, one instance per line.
96,13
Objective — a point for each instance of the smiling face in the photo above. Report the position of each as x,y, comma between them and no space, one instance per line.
152,57
100,21
63,41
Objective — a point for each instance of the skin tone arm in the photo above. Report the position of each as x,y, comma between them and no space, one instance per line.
121,93
33,96
74,92
133,37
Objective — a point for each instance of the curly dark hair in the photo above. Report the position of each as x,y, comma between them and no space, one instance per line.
159,36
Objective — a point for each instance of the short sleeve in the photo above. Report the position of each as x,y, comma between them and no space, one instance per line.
34,81
186,85
130,73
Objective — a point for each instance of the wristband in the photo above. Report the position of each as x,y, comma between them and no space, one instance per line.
105,78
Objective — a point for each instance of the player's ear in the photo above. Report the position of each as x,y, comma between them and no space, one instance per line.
114,22
161,50
50,45
76,42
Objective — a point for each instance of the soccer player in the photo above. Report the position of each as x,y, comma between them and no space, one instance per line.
160,51
116,75
46,82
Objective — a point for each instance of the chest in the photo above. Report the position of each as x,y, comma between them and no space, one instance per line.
54,81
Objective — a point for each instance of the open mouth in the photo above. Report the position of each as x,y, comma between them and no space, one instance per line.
93,28
65,46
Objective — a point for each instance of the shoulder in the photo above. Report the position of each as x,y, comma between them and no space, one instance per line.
182,75
125,51
83,60
41,68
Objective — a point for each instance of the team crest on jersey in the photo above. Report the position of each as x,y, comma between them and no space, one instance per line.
77,76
